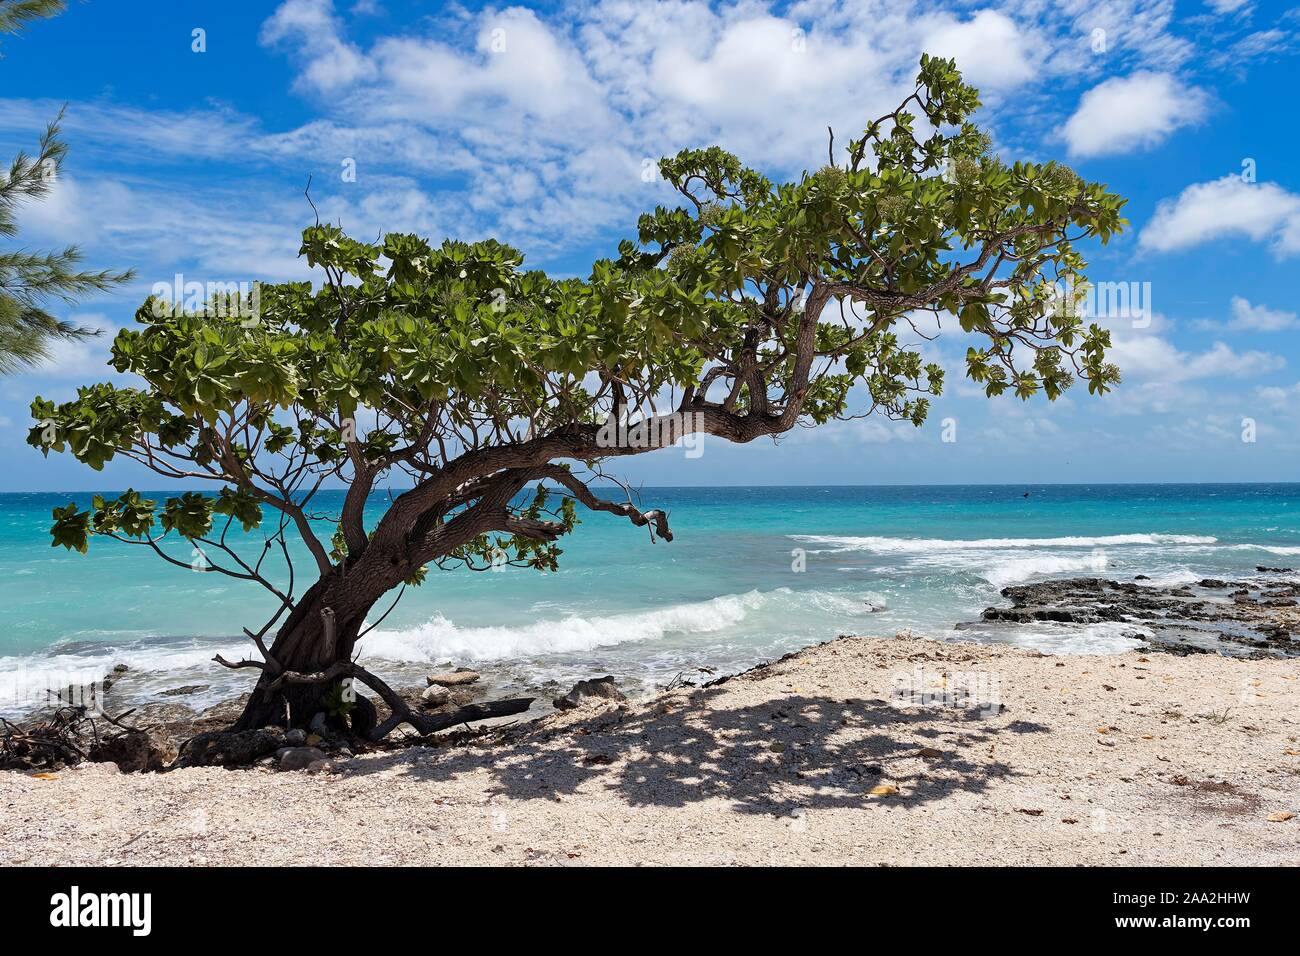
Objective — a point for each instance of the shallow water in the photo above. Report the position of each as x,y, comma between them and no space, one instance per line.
753,573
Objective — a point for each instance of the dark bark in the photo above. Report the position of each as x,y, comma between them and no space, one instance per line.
319,634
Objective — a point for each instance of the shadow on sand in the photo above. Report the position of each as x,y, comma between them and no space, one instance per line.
774,757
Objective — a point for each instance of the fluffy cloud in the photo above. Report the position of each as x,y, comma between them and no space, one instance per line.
569,111
1222,208
990,49
1125,114
1284,397
311,26
1161,378
1152,358
518,64
1258,318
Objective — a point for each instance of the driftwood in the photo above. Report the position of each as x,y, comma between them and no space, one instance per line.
431,723
67,736
401,710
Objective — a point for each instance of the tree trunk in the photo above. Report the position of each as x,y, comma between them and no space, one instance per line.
320,631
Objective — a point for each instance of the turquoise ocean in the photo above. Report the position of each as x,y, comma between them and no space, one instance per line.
753,573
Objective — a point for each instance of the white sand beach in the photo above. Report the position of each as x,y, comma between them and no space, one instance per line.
1125,759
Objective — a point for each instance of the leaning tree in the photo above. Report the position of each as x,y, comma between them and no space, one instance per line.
483,401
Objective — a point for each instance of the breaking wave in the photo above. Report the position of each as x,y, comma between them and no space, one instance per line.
442,639
1022,569
881,545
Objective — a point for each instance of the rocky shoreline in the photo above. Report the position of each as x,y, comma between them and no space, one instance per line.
1254,618
164,735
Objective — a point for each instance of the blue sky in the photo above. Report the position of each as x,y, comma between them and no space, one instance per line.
535,123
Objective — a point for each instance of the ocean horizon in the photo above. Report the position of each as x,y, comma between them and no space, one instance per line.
755,571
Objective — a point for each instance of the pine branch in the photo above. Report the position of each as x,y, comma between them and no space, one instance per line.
16,14
28,280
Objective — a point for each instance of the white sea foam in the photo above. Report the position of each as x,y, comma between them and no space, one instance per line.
1271,549
1104,638
1174,578
1022,569
441,639
883,545
153,667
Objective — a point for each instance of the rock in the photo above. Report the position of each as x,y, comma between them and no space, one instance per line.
111,677
435,696
135,751
107,767
302,758
159,713
183,691
457,678
1263,570
1141,577
1175,620
296,737
225,749
1022,615
1281,816
598,688
317,725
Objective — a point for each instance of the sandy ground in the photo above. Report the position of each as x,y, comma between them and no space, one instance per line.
1126,759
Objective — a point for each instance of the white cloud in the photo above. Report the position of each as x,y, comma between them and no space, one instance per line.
990,49
1285,397
1126,114
219,232
537,128
85,359
1228,6
1223,208
1152,358
518,64
1258,318
331,63
1160,377
573,107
